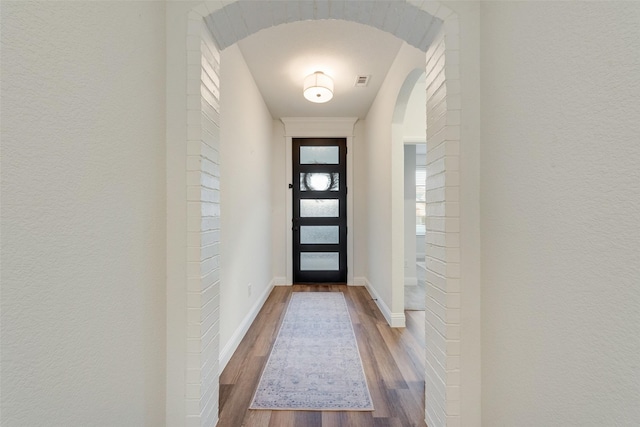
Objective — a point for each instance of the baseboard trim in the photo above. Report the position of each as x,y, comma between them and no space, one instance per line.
395,320
241,331
280,281
359,281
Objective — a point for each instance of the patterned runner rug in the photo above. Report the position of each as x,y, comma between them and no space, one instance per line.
314,364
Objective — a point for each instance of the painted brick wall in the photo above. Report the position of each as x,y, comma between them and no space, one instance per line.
241,18
203,222
442,315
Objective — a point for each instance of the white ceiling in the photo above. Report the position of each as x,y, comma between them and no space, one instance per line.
281,57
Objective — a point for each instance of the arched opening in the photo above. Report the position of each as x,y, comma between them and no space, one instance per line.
410,123
212,29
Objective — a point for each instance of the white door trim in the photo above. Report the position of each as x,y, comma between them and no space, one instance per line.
319,127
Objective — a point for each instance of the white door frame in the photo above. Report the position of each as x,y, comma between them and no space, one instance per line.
319,127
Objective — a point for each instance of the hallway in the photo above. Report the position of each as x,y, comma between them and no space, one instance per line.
134,259
393,360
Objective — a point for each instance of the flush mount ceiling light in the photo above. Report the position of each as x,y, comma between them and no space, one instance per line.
318,87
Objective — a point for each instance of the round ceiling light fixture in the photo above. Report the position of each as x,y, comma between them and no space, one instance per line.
318,87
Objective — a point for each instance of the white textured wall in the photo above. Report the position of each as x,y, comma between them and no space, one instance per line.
176,210
279,192
83,214
560,202
378,137
246,173
468,53
415,119
360,190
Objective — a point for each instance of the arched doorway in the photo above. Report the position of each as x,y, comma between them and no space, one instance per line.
409,130
212,28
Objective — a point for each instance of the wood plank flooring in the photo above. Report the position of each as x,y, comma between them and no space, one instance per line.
393,361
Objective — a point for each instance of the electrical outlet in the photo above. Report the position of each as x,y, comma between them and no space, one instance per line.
249,288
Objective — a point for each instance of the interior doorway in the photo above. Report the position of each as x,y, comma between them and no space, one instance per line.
410,137
415,207
415,226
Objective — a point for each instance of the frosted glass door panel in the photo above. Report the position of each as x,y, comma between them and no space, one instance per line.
312,181
325,208
319,235
319,261
310,155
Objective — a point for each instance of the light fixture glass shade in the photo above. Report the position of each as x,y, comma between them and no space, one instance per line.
318,87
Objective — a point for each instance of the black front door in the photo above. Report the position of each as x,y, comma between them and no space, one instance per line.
319,210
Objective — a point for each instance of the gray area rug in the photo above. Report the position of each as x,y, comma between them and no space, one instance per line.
314,364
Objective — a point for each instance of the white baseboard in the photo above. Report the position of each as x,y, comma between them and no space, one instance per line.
395,320
411,281
240,332
359,281
280,281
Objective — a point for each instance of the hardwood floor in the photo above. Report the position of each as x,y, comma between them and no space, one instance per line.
393,361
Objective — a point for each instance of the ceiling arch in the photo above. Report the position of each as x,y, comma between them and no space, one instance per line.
241,18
